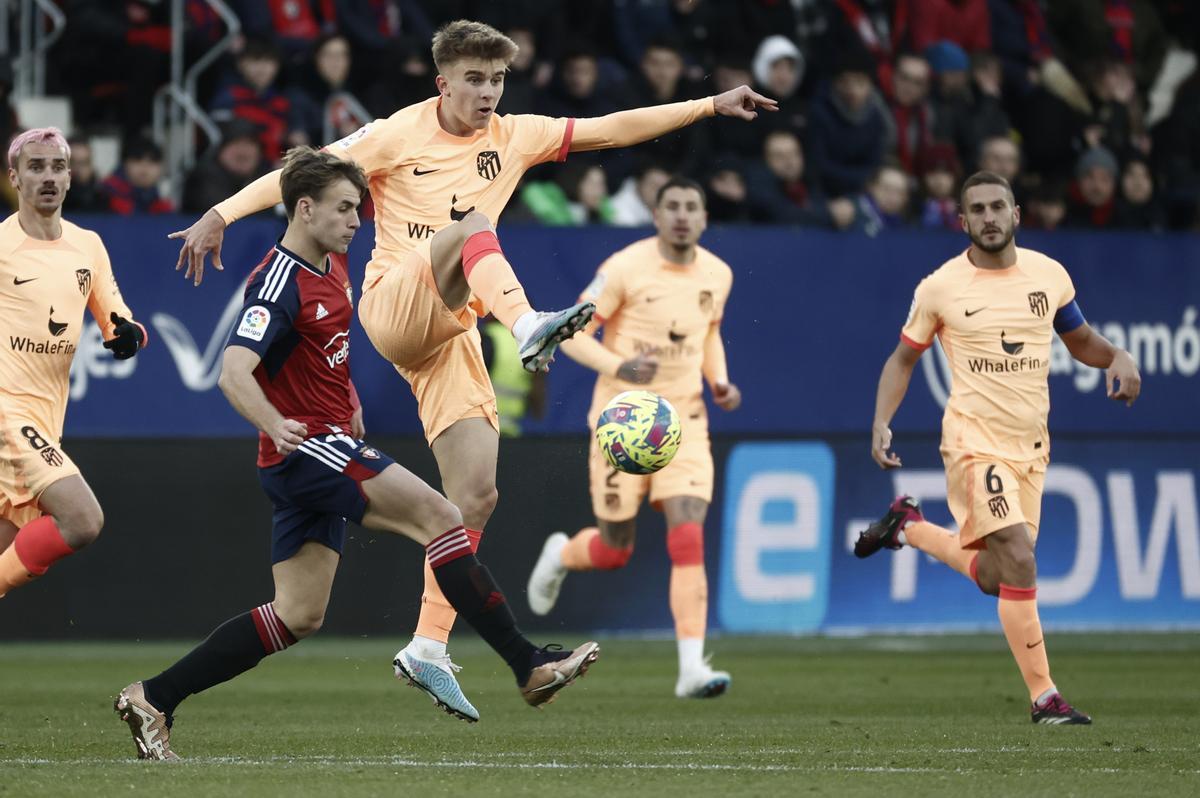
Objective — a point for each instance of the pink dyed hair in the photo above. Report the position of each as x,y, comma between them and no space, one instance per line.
39,135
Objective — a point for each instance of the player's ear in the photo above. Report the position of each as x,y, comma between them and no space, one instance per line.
962,221
443,85
1016,216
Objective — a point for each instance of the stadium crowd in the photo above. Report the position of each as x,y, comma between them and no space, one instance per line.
1090,107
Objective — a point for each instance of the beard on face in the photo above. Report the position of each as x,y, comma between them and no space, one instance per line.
992,248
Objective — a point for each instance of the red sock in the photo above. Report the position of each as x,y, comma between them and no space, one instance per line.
39,544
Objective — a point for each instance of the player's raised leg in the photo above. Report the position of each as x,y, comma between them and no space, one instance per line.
903,524
605,547
689,597
467,258
72,520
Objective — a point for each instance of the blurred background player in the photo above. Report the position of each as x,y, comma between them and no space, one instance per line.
49,270
665,296
439,171
996,309
287,371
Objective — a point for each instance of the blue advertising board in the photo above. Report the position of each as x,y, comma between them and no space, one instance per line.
812,317
1119,545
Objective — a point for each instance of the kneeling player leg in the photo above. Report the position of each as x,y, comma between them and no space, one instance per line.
466,259
1010,552
73,520
689,584
302,585
604,548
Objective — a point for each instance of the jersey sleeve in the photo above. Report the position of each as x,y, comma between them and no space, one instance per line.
376,146
722,296
268,312
1068,317
606,290
541,138
924,318
105,297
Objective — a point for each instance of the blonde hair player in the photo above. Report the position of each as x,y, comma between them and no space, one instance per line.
441,171
49,271
661,301
995,309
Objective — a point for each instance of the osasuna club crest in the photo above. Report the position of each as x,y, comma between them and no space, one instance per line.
84,278
487,163
1038,303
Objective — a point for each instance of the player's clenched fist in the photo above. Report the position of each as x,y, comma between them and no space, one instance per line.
287,435
727,396
1124,372
881,445
639,370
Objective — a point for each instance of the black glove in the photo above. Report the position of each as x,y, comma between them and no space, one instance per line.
128,338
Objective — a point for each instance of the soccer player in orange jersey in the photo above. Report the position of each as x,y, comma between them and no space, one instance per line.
440,172
660,301
995,309
49,271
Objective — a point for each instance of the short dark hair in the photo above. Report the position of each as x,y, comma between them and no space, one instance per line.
259,48
464,38
308,172
140,148
679,181
984,179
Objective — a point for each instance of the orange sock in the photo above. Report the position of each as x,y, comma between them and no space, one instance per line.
587,551
1023,630
491,278
437,616
38,545
942,544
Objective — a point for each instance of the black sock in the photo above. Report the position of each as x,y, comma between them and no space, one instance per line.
234,647
472,592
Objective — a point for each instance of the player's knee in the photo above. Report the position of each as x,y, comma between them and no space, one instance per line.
80,527
478,504
305,623
609,557
474,222
685,544
440,517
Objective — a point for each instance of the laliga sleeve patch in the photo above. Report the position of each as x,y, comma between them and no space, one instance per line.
254,323
345,143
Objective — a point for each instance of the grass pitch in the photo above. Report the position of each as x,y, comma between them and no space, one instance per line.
875,716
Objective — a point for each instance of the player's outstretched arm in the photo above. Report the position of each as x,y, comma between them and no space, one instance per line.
243,392
207,234
626,128
1121,376
716,371
893,384
586,350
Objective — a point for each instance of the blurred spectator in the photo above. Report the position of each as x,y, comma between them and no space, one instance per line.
1000,154
847,130
1138,207
575,90
133,188
778,72
727,197
1177,155
117,55
373,28
1091,198
252,96
1116,121
294,25
633,204
968,105
964,22
778,193
1129,30
911,110
406,78
695,24
578,195
885,202
237,161
8,116
940,175
862,28
85,195
660,80
521,81
1046,208
726,134
326,75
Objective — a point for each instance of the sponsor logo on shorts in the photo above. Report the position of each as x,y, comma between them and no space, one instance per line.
998,505
40,445
254,323
487,163
369,453
51,456
84,278
612,500
1038,303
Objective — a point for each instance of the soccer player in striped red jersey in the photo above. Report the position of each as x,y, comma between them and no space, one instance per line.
287,370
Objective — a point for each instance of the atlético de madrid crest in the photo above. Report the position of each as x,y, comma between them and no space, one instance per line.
84,278
487,163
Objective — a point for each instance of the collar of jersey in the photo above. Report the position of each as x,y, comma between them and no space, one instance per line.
302,262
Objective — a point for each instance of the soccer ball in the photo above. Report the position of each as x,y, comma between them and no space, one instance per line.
638,431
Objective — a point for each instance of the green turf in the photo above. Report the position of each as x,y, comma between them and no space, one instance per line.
877,716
